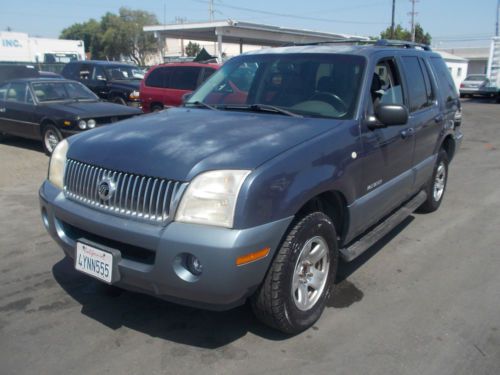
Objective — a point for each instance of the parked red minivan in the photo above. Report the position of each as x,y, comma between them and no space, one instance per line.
165,84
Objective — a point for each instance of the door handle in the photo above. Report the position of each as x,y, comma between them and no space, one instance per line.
438,119
407,133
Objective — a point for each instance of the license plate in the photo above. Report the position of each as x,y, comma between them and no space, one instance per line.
94,262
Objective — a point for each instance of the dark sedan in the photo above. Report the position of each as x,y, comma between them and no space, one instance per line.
52,109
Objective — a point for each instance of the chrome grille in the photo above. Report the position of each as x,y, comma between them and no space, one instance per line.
142,197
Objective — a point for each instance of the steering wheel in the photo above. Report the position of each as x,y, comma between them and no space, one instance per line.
331,99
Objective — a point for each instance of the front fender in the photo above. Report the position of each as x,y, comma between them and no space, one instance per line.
281,186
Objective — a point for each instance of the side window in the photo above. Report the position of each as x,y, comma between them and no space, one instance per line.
98,73
207,72
29,96
71,71
443,77
17,92
428,86
185,78
416,83
84,73
3,91
157,78
386,85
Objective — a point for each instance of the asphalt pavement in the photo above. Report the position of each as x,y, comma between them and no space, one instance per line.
426,300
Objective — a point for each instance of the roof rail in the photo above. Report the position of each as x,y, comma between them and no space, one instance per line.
402,43
338,41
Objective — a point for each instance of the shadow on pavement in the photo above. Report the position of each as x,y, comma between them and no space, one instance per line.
116,308
28,144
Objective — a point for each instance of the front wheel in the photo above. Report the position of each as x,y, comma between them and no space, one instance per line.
437,184
51,137
119,100
294,292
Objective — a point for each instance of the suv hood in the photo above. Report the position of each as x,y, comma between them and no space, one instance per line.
180,143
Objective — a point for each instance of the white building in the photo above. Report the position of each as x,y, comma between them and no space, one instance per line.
23,48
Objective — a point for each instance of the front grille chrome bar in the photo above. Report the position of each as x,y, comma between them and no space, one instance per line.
141,197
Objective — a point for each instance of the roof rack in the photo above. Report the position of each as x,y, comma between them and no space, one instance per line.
401,43
359,41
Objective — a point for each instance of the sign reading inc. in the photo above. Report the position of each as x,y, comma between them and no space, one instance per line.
12,43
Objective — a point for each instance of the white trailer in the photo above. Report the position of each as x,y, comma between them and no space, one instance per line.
20,47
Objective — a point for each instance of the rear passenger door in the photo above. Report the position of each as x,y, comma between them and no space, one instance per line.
425,119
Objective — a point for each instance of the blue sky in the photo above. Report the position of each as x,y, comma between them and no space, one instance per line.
444,19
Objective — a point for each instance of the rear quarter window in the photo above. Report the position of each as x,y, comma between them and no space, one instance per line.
70,71
444,79
185,78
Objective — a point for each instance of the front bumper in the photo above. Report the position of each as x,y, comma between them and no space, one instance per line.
222,285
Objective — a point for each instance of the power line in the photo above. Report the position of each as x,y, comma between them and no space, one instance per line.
285,15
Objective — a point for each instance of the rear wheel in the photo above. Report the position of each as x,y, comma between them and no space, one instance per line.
51,136
156,108
293,295
437,184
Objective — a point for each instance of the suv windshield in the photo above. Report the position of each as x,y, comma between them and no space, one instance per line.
310,85
56,91
124,72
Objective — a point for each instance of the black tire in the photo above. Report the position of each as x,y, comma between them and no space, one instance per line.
275,302
156,108
434,199
50,134
119,100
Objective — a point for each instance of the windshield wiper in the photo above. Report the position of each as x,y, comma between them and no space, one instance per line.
263,108
201,104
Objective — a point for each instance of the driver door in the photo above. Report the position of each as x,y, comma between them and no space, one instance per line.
388,152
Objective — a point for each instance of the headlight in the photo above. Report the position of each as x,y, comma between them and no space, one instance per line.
134,95
211,198
91,124
57,163
82,124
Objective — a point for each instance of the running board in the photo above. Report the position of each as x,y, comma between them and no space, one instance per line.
370,238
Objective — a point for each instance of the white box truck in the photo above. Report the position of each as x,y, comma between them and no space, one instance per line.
20,47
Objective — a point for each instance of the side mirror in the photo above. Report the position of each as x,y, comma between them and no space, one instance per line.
186,97
389,115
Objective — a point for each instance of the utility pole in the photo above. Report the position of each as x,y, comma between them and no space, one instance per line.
211,10
392,21
498,11
181,20
413,14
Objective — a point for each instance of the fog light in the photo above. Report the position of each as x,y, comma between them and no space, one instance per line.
91,124
194,265
82,124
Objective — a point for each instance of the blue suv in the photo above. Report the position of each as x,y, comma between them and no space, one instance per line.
280,164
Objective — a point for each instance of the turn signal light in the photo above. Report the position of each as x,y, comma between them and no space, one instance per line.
252,257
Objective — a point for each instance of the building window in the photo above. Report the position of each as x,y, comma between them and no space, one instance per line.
459,72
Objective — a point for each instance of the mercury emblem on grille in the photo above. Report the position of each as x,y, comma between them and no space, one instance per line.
106,188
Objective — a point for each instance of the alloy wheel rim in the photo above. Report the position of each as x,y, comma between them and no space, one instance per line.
311,273
439,182
51,140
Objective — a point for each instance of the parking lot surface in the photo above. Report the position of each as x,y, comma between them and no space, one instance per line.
426,300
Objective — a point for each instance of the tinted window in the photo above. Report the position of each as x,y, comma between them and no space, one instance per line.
416,83
428,86
160,77
71,71
185,78
98,74
3,91
207,72
84,72
445,82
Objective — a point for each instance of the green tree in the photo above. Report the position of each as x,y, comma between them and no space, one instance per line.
117,36
90,33
192,49
403,34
